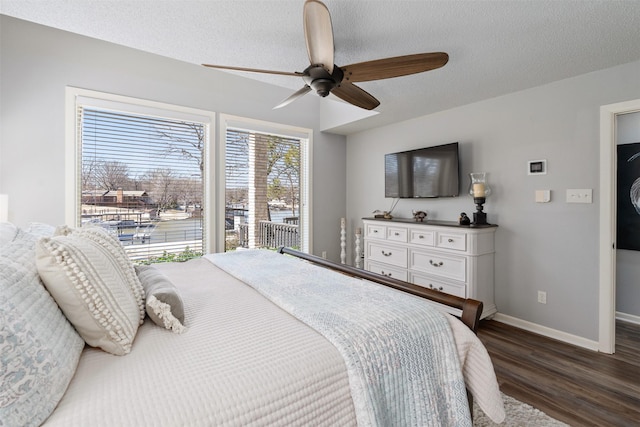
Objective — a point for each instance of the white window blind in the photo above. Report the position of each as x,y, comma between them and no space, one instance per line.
142,177
263,192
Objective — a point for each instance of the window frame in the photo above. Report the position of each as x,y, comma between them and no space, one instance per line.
75,98
306,153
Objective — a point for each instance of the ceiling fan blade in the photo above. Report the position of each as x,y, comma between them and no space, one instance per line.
394,67
293,97
255,70
355,95
318,34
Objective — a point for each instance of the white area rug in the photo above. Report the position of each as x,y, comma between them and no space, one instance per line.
518,415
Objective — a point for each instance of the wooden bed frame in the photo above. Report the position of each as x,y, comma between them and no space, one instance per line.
471,309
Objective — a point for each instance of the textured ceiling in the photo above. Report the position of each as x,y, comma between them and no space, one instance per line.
495,47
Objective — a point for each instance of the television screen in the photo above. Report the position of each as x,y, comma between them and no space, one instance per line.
426,172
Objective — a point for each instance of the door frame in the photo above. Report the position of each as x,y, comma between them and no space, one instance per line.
607,280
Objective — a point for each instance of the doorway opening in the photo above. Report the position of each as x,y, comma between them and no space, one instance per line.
607,279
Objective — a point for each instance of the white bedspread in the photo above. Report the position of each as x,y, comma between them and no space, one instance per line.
242,362
399,350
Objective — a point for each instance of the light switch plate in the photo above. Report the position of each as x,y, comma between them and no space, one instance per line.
580,196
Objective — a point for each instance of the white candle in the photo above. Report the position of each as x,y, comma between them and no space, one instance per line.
478,190
342,222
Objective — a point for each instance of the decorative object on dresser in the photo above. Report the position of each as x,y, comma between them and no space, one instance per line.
419,216
464,219
479,189
386,214
439,255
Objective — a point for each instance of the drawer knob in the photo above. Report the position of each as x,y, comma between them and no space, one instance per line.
450,240
375,231
435,264
421,237
385,253
396,233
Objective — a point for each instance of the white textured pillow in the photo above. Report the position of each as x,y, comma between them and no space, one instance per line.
111,243
95,285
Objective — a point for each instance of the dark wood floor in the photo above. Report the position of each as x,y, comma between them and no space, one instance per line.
574,385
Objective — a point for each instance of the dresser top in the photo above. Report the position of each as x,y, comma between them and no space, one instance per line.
429,222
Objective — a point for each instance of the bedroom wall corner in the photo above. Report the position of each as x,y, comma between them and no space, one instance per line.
329,193
551,247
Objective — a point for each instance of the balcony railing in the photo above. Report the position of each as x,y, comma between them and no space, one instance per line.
271,235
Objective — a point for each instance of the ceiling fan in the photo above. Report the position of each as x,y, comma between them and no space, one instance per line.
325,77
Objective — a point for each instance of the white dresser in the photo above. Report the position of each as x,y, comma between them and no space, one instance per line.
439,255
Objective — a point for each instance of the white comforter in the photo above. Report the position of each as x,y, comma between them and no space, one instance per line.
243,361
399,350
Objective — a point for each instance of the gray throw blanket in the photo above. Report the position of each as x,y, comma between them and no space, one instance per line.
399,350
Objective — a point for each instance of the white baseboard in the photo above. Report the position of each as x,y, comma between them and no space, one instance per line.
629,318
547,332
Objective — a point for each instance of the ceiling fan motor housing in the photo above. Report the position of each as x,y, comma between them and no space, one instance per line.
319,79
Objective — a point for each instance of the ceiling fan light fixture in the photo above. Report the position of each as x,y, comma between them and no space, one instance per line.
323,86
317,77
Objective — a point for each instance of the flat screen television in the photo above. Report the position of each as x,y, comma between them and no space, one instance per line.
425,172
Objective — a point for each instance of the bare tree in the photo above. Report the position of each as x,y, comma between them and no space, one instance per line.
111,175
161,188
194,138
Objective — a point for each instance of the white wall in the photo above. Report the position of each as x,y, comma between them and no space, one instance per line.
628,262
551,247
38,62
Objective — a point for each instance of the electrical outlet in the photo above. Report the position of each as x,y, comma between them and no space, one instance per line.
542,297
324,254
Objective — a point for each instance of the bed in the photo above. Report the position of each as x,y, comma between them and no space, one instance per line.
223,344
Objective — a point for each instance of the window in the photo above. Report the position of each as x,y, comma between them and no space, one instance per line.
266,187
142,174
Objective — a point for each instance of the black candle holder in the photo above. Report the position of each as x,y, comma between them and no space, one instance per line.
479,217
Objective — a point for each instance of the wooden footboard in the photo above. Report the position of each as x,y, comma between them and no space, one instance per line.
471,309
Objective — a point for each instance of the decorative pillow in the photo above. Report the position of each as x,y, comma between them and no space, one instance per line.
8,232
39,349
164,305
103,237
94,283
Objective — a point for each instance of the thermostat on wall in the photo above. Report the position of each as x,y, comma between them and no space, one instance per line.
537,167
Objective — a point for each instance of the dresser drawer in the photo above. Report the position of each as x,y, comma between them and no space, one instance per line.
421,237
397,234
431,283
443,265
452,241
375,231
387,254
388,271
